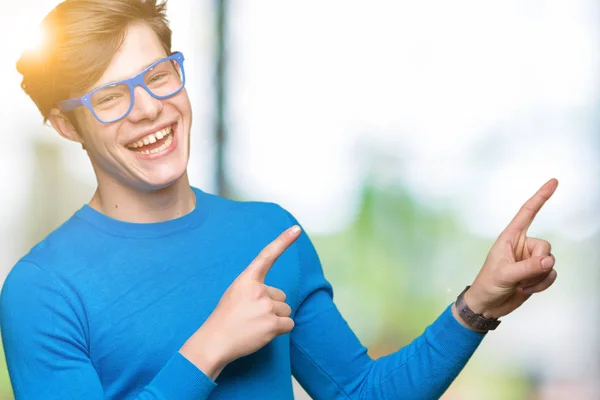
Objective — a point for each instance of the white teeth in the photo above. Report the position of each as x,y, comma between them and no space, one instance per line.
167,143
151,138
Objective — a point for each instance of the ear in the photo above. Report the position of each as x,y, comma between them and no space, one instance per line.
63,126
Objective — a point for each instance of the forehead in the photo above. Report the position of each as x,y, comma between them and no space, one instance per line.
140,48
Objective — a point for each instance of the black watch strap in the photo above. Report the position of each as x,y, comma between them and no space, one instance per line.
474,320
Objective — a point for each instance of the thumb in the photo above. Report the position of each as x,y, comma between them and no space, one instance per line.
527,269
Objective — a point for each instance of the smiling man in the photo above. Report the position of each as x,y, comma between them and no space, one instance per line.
158,290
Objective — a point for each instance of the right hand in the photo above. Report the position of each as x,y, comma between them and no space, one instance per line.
248,316
516,266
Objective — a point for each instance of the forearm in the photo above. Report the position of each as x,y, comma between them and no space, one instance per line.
425,368
179,379
203,350
421,370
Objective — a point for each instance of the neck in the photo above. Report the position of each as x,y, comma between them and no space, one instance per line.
133,205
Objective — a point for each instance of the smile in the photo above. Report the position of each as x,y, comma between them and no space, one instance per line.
153,143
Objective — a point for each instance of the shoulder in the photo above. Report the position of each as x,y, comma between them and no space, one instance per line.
61,247
38,288
249,212
30,296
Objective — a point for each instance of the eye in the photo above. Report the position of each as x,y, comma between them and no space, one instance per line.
108,99
158,77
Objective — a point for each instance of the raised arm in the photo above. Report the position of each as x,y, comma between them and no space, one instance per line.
330,362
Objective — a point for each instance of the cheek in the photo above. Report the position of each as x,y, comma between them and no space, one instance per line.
183,104
82,123
98,138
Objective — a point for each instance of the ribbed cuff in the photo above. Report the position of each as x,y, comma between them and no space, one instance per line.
181,380
451,338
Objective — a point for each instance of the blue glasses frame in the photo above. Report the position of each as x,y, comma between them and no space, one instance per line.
132,83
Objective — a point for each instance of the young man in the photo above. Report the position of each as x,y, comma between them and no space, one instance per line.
157,290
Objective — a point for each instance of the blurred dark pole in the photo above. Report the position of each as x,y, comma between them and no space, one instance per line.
220,95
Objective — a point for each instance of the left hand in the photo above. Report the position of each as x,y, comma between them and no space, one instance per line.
516,266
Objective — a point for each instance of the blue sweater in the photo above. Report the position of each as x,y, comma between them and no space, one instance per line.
100,308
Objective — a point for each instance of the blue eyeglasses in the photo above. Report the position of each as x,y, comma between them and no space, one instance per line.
114,101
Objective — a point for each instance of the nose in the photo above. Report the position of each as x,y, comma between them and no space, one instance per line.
144,106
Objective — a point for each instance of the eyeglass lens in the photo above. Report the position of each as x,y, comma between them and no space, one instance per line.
113,102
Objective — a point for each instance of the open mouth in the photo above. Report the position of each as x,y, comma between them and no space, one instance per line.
155,142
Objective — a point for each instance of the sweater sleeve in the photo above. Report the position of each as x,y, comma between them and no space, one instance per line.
45,340
329,361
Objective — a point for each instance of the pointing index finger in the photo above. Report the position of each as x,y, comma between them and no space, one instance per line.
529,210
261,265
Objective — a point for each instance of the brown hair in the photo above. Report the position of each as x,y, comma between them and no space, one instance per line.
81,38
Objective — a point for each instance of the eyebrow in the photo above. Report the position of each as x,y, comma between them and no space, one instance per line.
147,66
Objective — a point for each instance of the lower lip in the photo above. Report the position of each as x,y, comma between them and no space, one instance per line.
163,152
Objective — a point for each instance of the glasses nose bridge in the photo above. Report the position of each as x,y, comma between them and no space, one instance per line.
149,104
138,81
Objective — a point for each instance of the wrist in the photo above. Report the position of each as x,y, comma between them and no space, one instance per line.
462,322
471,319
205,354
475,301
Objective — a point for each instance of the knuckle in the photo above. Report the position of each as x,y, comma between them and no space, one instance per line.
278,294
258,291
266,306
529,265
266,255
529,209
273,324
283,237
541,243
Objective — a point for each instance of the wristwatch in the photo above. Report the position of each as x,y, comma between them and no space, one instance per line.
474,320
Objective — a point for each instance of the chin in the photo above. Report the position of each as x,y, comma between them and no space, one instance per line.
168,170
168,177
